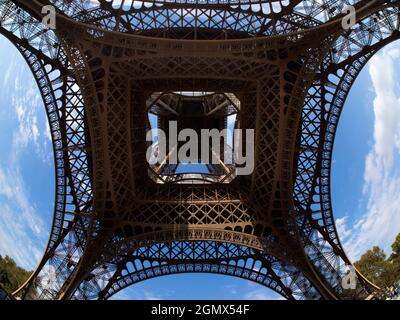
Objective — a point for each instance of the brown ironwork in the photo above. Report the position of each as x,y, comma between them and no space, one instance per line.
289,63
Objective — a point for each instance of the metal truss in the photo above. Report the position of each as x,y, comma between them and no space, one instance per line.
289,63
169,106
195,257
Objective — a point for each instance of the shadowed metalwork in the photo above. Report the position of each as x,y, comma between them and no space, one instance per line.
284,68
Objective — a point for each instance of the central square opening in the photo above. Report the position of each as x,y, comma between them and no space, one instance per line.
184,128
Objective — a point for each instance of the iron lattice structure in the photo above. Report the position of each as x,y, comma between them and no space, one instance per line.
291,65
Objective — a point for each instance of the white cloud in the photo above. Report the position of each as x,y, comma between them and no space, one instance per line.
248,291
21,228
15,241
23,233
341,226
13,184
232,289
258,294
27,103
261,294
128,294
8,73
254,291
380,223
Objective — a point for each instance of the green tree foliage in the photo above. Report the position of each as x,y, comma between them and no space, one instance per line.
395,256
374,265
11,276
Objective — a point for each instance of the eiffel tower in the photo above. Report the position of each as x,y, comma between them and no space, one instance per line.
282,67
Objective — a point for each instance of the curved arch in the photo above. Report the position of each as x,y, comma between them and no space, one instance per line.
346,81
324,103
350,75
211,257
221,269
49,67
195,233
167,237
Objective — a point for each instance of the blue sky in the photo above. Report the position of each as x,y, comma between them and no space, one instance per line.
365,176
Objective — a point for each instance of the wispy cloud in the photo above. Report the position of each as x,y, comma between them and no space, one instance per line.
32,133
258,294
21,227
261,294
381,221
139,294
231,289
254,291
246,291
23,232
